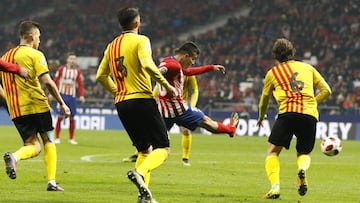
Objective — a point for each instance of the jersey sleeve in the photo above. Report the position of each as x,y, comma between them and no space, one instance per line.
170,68
57,75
322,86
40,64
265,95
146,61
9,67
103,74
79,81
198,70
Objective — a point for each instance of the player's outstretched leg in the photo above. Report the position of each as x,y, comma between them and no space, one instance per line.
10,164
302,183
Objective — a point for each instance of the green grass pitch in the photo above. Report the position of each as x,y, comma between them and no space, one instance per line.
222,170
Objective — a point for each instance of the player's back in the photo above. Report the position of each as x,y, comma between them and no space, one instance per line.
294,89
125,54
25,97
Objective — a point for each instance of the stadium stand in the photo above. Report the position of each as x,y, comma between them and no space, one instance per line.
329,39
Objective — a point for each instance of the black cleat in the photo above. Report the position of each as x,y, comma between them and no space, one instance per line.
302,183
51,187
10,164
272,194
131,158
138,180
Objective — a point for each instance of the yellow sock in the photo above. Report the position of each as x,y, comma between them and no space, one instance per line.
25,152
152,161
139,160
186,145
303,162
272,166
50,158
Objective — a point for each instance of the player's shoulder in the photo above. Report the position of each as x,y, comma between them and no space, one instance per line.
303,65
143,37
33,52
170,61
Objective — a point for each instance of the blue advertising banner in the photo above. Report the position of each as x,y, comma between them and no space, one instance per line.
345,127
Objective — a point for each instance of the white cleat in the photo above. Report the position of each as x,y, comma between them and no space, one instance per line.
72,141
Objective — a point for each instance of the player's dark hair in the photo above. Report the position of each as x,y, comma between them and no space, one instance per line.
188,48
283,50
126,17
70,53
25,27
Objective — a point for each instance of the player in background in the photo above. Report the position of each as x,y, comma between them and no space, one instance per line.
190,95
28,105
292,84
126,70
68,77
174,109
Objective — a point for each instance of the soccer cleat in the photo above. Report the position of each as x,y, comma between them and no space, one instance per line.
186,162
51,187
138,180
234,122
72,141
272,194
302,183
10,164
143,200
57,141
131,158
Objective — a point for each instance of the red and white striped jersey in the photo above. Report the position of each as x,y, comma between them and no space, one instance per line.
172,70
67,79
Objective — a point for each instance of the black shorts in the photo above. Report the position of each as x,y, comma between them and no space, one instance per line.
301,125
143,123
32,124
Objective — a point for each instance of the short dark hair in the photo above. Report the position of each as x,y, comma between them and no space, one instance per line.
188,48
283,50
70,53
26,26
126,17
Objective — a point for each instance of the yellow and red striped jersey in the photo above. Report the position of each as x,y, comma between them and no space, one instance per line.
25,97
126,58
292,84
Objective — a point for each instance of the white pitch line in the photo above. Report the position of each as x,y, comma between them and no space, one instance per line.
88,158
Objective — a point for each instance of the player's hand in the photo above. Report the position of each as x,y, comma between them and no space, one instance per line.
260,121
219,68
24,73
66,110
82,99
171,91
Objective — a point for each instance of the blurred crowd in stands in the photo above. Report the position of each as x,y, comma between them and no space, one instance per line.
325,34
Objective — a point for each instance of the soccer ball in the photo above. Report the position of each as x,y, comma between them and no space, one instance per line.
331,146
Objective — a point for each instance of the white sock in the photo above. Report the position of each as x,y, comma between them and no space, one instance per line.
52,182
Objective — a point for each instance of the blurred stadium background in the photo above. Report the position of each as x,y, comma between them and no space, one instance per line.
236,33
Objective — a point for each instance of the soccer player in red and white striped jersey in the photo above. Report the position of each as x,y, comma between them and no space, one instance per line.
174,109
68,78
